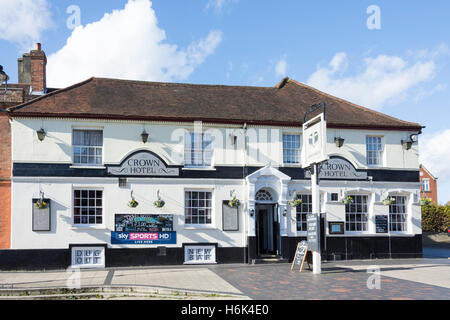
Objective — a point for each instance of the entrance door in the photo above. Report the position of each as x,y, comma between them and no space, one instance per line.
267,229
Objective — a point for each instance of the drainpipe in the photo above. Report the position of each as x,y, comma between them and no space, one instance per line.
244,171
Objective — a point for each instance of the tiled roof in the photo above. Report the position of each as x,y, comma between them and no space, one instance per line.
284,104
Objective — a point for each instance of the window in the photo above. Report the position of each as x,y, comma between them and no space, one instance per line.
87,147
199,254
398,214
197,149
291,148
198,207
356,215
334,197
87,206
374,151
426,185
302,210
263,195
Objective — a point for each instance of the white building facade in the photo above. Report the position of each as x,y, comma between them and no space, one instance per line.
101,176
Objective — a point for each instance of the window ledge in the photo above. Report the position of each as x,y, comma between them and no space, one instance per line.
88,227
200,227
86,167
200,168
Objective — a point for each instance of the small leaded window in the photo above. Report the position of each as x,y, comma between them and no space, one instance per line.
263,195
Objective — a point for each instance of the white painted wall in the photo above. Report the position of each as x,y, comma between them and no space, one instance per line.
63,232
264,143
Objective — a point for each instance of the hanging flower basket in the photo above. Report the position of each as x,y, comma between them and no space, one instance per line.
388,201
296,202
425,201
133,203
234,203
159,203
347,200
41,204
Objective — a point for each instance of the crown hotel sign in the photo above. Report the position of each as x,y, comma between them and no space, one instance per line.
143,163
338,168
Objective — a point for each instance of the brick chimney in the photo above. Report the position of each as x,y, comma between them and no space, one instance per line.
32,70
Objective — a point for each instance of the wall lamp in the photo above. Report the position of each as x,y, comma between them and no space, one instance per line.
144,136
41,134
284,213
252,212
339,142
407,144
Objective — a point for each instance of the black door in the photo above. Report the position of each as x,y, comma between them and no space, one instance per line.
267,230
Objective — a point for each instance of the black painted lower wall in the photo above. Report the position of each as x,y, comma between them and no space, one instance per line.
333,248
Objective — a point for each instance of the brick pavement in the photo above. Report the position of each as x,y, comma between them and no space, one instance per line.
277,281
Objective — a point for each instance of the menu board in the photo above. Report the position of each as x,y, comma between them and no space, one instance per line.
41,217
230,216
381,223
300,255
313,225
143,222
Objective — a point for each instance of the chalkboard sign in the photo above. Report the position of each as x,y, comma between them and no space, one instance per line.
143,222
300,256
313,225
41,217
381,223
230,217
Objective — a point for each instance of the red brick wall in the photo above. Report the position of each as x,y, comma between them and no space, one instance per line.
5,183
432,194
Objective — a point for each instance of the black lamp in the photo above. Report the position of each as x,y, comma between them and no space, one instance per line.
339,142
41,134
407,144
144,136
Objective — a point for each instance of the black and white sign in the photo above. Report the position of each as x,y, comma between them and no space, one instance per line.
338,168
313,225
381,223
300,255
143,163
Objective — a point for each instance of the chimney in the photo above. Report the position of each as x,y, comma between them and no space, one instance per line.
32,70
38,70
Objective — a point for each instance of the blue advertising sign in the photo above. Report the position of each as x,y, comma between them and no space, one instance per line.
143,237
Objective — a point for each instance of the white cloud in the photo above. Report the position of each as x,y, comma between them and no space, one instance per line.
126,44
434,155
23,21
281,67
384,78
219,5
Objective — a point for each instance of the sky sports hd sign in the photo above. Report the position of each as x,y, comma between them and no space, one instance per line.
143,237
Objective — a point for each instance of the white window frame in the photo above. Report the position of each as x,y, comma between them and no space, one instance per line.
427,180
199,225
366,214
88,225
379,153
291,149
297,213
188,151
94,253
199,250
406,213
88,165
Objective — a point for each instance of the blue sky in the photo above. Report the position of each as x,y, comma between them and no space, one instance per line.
400,69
